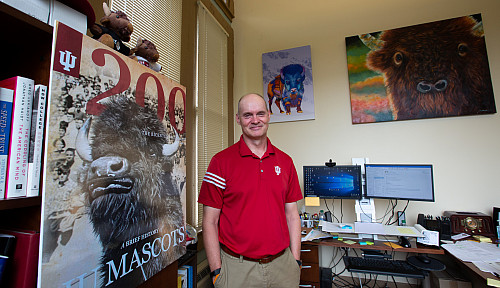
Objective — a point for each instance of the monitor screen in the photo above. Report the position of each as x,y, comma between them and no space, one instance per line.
337,182
396,181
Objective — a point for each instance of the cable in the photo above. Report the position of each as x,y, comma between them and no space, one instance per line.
394,204
394,280
397,219
341,212
333,215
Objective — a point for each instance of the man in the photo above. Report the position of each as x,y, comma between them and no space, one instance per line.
251,225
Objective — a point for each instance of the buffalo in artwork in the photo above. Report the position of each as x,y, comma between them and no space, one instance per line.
133,202
287,88
436,69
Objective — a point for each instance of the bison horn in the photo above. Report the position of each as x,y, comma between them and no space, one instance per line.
170,149
371,42
478,28
139,41
82,142
106,9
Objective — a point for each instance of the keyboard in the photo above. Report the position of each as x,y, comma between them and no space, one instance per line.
398,268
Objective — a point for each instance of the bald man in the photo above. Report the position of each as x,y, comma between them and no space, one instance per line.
251,225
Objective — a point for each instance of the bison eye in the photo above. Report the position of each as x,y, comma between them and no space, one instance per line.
398,58
463,49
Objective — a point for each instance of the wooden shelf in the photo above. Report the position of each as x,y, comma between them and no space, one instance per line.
29,46
6,204
14,18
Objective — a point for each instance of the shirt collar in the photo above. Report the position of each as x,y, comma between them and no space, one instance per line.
245,151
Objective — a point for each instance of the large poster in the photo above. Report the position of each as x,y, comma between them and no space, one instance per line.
114,172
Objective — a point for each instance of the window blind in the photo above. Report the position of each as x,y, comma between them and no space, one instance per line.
158,21
212,94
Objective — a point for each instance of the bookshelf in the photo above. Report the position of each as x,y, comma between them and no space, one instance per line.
28,54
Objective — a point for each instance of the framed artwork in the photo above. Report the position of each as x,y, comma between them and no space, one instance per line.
288,84
436,69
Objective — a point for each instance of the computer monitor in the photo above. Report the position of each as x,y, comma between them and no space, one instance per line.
336,182
397,181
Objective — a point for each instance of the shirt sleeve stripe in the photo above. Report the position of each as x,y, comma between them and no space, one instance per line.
222,180
217,180
213,182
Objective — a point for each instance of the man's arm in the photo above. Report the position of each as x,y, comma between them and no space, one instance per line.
211,236
293,221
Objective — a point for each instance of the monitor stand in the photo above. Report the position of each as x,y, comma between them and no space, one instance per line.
365,212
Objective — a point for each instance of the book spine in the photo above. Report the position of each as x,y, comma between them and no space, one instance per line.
6,98
36,140
190,277
23,269
17,167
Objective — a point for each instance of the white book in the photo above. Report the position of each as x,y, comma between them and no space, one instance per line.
17,167
183,272
6,98
36,140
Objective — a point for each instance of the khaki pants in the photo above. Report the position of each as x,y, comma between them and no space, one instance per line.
282,272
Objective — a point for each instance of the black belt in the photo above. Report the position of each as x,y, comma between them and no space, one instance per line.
264,260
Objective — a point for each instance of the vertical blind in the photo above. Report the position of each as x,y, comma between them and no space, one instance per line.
158,21
212,94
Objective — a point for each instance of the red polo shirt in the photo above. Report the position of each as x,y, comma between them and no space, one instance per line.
251,193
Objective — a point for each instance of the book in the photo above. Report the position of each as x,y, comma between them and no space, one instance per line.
7,244
190,278
183,272
36,140
22,272
6,98
17,163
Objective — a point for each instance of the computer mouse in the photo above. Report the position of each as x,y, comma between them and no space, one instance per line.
423,259
404,242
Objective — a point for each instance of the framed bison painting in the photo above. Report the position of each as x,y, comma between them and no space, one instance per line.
437,69
288,84
114,174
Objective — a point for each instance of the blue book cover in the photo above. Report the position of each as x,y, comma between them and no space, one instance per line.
6,98
190,278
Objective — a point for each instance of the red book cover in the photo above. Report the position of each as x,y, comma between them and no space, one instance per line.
17,166
24,265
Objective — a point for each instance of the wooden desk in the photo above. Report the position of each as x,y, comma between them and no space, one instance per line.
310,273
475,275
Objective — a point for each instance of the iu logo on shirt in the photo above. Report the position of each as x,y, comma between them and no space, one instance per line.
277,169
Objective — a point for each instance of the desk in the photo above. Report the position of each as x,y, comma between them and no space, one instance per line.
475,275
310,274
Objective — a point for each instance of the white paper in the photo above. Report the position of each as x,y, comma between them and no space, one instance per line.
459,236
491,267
430,237
470,251
315,234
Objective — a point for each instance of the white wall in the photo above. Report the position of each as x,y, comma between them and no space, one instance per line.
465,151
